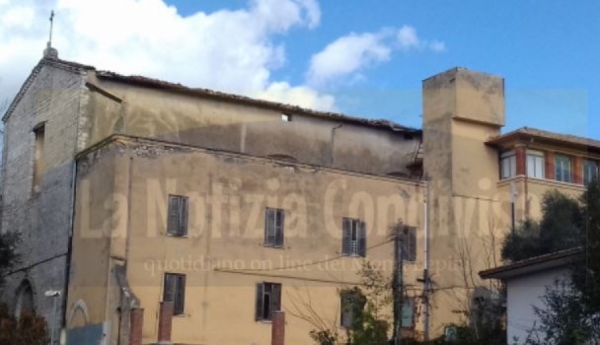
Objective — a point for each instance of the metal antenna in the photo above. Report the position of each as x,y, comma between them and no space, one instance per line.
51,28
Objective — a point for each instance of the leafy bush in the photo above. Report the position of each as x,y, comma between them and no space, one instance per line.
29,329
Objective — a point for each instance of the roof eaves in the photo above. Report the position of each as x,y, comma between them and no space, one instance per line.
495,273
528,132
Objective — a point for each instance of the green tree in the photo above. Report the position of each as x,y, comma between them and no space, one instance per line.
564,319
27,329
586,272
571,308
560,228
369,306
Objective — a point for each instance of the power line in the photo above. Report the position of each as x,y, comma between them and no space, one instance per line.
312,263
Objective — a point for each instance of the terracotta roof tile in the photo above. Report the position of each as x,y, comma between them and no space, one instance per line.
528,132
176,87
531,264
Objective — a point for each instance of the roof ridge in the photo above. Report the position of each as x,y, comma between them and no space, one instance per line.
163,84
46,60
336,116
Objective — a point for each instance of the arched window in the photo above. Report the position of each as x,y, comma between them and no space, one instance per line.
24,299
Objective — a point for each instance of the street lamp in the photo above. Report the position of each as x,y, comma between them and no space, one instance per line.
54,294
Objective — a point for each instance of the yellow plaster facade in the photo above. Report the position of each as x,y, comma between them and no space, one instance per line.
233,159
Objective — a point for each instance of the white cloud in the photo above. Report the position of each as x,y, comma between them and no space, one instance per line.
283,92
408,39
437,46
347,55
228,50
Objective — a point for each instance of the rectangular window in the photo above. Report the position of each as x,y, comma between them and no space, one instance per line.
351,304
408,312
177,224
409,244
563,168
535,164
286,118
268,300
590,171
174,291
354,237
38,159
508,165
274,221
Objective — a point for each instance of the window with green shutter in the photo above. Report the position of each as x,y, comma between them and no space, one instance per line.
354,237
274,222
408,313
409,244
352,303
177,223
174,291
268,300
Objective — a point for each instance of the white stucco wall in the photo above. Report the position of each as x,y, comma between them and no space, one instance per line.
523,293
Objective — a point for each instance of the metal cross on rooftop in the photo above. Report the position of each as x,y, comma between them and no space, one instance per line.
51,27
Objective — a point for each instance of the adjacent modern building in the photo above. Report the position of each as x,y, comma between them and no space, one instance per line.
129,192
527,282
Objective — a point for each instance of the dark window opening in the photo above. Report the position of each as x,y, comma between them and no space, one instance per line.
563,168
268,300
409,244
408,313
352,303
590,171
354,237
177,224
274,222
174,291
38,159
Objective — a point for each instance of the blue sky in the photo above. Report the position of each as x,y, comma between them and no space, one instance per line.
362,58
547,51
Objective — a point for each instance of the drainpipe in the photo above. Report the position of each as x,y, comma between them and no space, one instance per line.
333,142
426,260
71,229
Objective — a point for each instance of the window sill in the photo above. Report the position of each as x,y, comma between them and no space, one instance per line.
273,246
353,255
177,236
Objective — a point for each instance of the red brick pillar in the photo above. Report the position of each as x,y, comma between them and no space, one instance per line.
521,158
136,324
165,323
578,170
278,328
550,166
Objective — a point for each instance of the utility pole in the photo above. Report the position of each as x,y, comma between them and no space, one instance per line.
397,285
426,281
